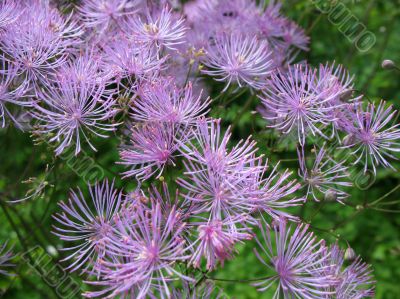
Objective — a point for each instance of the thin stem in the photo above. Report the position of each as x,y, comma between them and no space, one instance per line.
386,210
235,96
316,21
242,112
384,196
238,280
320,206
389,203
347,220
188,74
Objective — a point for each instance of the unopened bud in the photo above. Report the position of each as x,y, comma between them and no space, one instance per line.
349,254
52,250
388,64
330,195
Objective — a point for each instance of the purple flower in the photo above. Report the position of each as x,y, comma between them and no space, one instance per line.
339,82
106,15
161,30
296,104
295,36
272,191
238,59
144,248
9,13
88,230
39,41
216,241
352,281
132,61
271,24
70,109
325,177
296,260
36,57
5,257
84,70
224,16
10,93
373,139
164,102
217,178
332,78
151,147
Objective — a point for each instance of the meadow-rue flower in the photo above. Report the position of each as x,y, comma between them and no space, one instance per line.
150,148
273,191
216,241
40,41
106,15
85,69
374,138
295,36
163,29
216,177
351,281
87,224
11,92
296,103
125,59
70,111
295,257
9,13
164,102
144,62
145,249
238,59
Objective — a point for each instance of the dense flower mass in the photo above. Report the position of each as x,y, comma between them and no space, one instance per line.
140,72
77,223
143,251
373,137
150,149
72,107
297,261
8,93
238,59
351,281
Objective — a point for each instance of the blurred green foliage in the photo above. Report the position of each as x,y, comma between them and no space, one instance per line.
373,234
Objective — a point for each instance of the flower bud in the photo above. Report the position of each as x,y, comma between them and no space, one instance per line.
388,64
330,195
52,250
349,254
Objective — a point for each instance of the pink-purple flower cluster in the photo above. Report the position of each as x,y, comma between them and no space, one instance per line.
136,70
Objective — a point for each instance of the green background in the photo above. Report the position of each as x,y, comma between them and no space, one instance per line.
372,233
